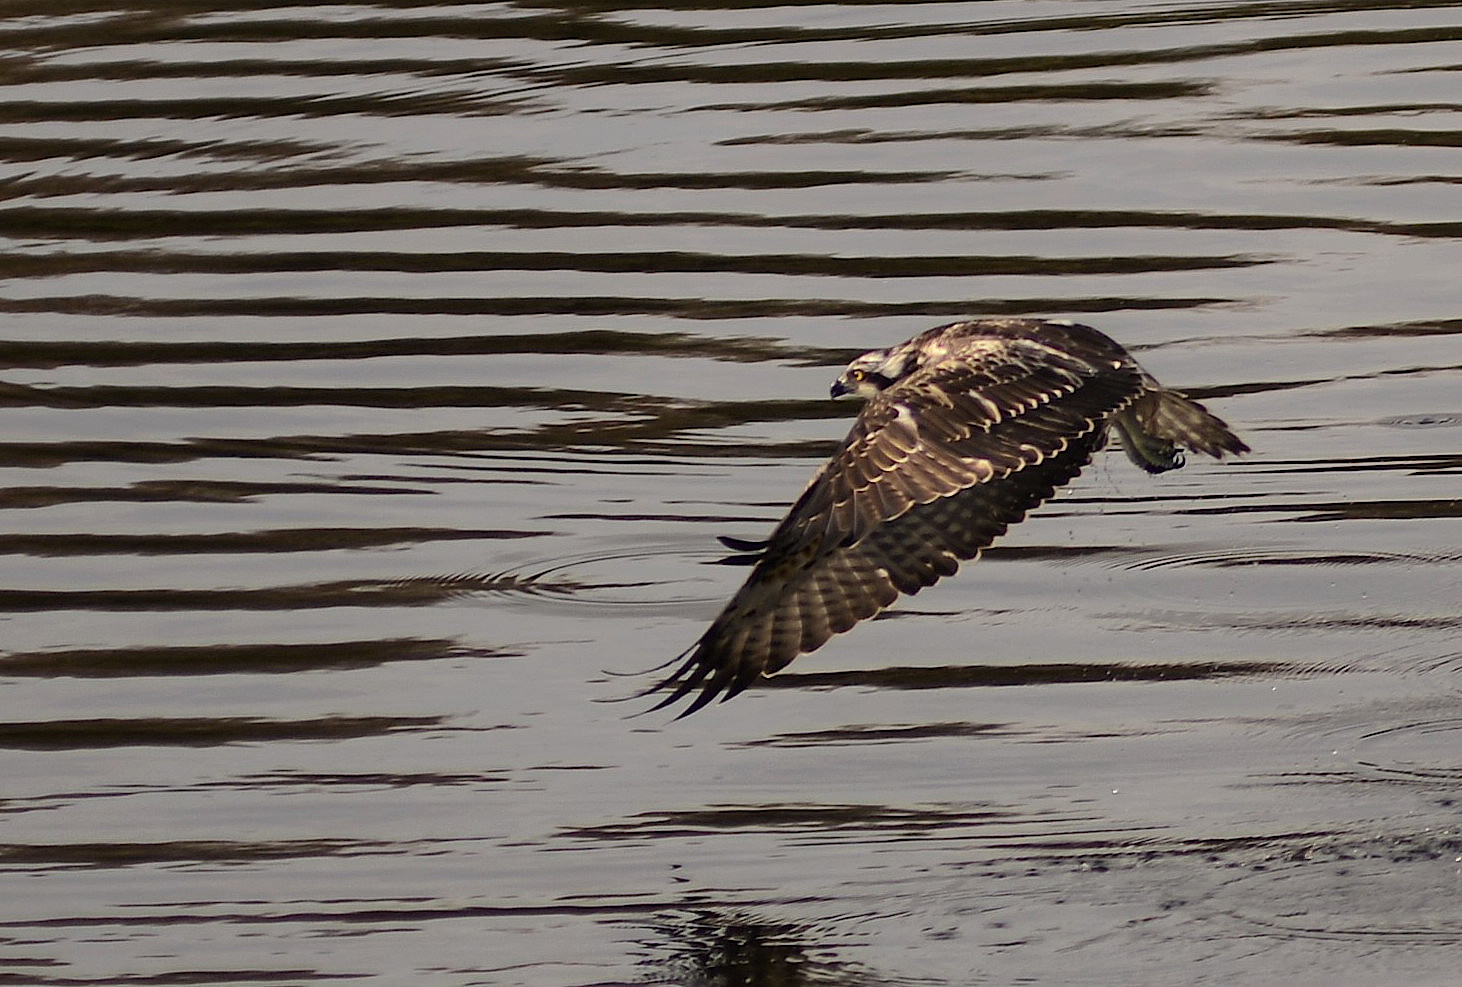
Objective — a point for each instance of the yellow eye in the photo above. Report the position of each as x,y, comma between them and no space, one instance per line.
856,375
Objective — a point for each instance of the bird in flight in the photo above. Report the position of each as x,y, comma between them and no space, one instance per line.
964,429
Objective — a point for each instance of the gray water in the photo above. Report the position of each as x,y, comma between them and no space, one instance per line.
377,376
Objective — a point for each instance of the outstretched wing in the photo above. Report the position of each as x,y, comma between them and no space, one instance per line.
935,468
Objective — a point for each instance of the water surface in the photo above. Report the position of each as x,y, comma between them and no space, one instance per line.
376,379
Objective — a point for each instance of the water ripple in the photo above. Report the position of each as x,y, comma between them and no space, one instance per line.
347,344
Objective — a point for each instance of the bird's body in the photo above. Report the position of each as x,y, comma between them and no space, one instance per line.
966,428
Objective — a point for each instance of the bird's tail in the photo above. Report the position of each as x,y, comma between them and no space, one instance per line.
1160,423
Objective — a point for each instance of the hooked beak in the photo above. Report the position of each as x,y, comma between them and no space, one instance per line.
839,388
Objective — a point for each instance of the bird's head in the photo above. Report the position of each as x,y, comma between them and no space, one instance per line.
875,370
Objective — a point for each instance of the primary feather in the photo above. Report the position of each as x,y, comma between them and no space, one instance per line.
966,428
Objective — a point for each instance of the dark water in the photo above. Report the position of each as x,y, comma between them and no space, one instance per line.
377,376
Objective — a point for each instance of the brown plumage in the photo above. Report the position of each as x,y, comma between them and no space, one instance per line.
967,427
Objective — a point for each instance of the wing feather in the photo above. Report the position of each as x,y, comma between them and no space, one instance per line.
855,582
931,473
938,432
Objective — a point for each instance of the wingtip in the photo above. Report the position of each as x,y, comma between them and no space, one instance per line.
687,676
702,678
743,544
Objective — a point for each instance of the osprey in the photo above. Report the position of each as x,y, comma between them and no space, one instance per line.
965,428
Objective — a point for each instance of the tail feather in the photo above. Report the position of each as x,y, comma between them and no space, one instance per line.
1160,423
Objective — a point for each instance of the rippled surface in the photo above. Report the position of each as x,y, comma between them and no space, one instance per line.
377,377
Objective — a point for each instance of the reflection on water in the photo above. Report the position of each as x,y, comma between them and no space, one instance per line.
377,379
711,948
